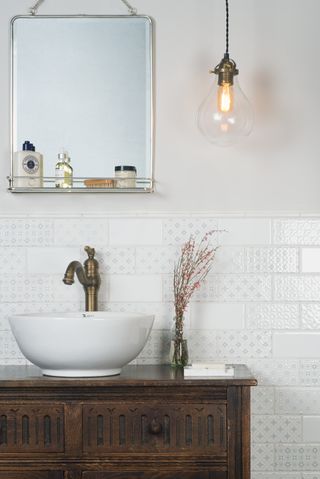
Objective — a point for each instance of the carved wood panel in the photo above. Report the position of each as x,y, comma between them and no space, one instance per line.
31,428
199,428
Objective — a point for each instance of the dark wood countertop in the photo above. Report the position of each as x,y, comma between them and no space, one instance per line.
135,376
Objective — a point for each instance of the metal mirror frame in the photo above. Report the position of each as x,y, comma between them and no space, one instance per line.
146,185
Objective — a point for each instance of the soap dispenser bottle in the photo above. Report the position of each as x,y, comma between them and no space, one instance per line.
63,171
28,167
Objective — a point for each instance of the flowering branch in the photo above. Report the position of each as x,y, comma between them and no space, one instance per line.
190,271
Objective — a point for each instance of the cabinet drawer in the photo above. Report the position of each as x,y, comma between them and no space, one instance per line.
200,428
32,475
31,428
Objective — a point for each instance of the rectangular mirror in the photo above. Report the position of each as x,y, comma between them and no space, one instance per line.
82,84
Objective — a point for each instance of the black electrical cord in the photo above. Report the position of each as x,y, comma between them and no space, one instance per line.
227,28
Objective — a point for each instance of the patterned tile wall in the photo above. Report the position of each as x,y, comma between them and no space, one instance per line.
260,305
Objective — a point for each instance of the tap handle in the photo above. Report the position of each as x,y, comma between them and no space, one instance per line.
90,251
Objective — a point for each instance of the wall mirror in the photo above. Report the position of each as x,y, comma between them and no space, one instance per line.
82,84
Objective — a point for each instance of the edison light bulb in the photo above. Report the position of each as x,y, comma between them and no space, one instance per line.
226,115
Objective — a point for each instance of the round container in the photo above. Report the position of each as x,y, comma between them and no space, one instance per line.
125,176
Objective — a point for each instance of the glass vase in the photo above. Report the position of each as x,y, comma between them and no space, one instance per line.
179,345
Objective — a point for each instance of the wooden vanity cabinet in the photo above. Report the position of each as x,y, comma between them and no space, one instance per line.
147,423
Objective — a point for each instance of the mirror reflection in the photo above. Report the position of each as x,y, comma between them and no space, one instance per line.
82,101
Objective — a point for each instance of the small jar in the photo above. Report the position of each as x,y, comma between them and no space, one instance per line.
128,176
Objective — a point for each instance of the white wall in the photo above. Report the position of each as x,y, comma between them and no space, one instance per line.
275,45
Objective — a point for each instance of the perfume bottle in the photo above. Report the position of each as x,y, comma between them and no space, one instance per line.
63,171
28,167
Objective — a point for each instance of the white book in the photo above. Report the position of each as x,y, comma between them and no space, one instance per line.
209,365
189,371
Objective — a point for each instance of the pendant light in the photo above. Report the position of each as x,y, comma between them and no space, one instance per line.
226,115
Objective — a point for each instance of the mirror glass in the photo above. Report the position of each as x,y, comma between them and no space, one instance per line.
83,84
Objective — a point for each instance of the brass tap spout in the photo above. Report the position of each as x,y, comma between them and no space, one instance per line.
88,275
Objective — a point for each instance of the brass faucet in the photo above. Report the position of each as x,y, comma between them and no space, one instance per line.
89,277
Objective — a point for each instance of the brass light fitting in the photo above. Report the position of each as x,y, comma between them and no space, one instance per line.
226,70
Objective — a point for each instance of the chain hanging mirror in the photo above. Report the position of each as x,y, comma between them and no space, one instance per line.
82,96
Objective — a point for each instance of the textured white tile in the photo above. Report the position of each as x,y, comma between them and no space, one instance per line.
26,232
275,372
272,260
297,458
297,231
157,348
8,347
244,344
81,232
223,287
202,345
276,429
262,457
156,259
240,231
311,475
293,345
164,312
229,260
114,260
297,401
310,372
310,260
50,260
311,429
272,316
262,400
216,316
310,316
140,288
26,289
132,231
178,230
13,260
297,288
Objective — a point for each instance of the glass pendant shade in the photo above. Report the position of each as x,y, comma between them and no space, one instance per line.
226,115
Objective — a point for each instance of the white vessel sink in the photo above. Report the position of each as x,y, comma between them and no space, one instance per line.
81,344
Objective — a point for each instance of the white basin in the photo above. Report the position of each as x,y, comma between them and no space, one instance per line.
81,344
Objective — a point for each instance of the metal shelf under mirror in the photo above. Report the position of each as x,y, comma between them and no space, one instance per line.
80,185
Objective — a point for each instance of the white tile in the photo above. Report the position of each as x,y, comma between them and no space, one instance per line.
276,429
262,457
297,288
50,260
241,231
310,260
272,316
140,288
132,231
216,316
26,232
244,344
310,372
311,475
156,259
295,345
231,287
262,400
13,260
297,401
296,231
178,230
297,457
229,260
275,372
114,260
275,475
311,429
81,232
310,316
202,345
164,312
272,260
